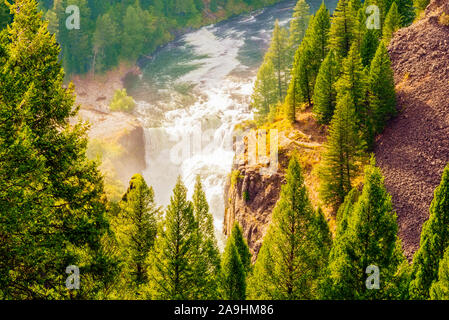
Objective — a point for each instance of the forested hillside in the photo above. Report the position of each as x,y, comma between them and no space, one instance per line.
113,31
330,229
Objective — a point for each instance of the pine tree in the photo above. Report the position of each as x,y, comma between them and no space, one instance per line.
368,49
295,248
382,94
233,275
392,24
370,239
353,81
135,229
325,93
344,213
440,288
434,242
406,11
51,196
298,26
207,267
278,54
319,36
265,93
342,28
340,162
241,246
172,273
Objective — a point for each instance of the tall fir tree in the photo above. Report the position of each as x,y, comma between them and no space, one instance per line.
207,266
342,28
172,261
354,81
233,275
325,93
135,229
242,247
369,45
51,195
341,158
265,93
392,24
434,242
295,248
298,27
278,53
382,93
370,239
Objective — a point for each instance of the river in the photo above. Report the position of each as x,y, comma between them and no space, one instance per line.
191,95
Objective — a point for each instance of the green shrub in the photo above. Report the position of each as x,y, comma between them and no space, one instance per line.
235,177
122,102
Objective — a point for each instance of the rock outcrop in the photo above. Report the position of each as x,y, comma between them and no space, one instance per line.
414,149
250,195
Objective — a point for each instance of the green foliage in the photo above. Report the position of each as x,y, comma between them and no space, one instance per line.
122,102
298,26
207,268
236,175
265,94
369,238
51,196
392,23
342,28
172,272
5,17
233,275
440,288
369,45
242,247
295,248
325,94
135,229
342,154
382,94
434,242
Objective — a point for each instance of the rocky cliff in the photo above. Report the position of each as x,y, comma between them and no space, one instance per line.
414,149
250,195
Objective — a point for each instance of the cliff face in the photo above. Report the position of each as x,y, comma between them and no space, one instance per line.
414,149
250,196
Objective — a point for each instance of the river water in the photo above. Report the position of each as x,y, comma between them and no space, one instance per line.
191,95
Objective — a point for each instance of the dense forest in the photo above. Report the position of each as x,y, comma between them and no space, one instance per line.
112,31
54,212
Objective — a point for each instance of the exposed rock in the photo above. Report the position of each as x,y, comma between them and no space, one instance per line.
253,196
414,149
123,130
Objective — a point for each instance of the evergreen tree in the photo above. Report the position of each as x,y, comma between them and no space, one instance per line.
344,213
319,36
370,239
340,162
172,273
342,28
406,11
295,248
392,24
278,54
208,263
434,242
325,93
135,229
353,81
5,17
241,246
51,196
382,94
265,93
233,275
440,288
368,49
105,42
298,26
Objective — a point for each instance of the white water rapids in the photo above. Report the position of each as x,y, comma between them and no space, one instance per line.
190,133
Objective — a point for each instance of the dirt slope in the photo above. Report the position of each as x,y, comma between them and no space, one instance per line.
414,149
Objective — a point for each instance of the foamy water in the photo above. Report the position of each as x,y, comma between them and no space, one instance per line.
197,139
